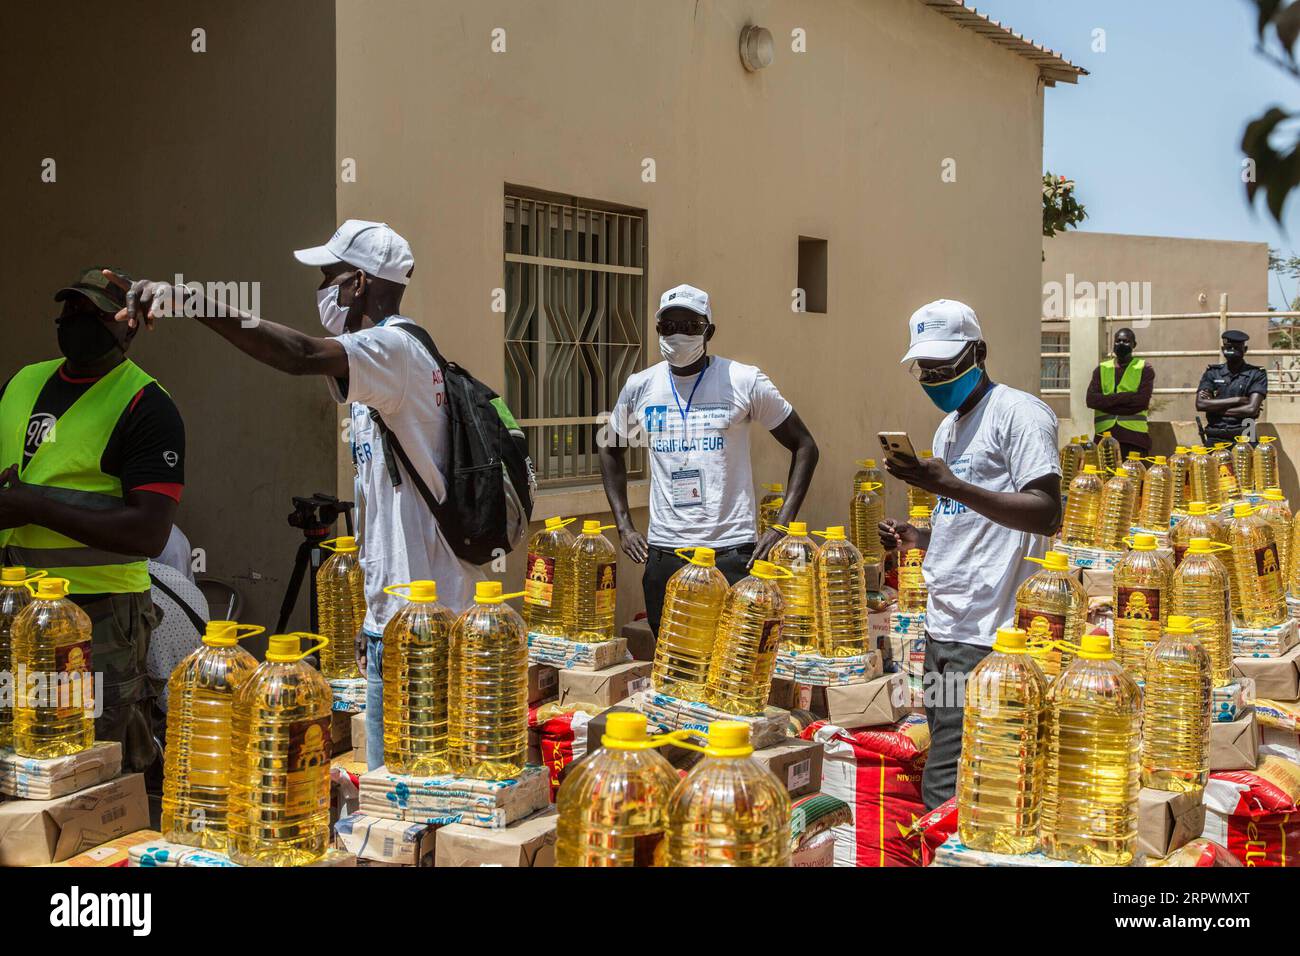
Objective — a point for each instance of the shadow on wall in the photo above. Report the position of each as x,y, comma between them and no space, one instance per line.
1166,435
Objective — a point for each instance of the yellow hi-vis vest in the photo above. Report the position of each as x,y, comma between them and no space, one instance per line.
1130,382
66,467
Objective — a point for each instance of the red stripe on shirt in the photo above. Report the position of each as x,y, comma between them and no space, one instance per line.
77,381
135,401
169,488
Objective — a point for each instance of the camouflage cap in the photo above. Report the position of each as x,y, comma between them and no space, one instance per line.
95,286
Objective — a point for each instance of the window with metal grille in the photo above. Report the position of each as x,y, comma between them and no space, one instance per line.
1056,369
575,325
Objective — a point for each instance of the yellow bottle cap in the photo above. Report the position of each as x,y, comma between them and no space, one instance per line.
1220,445
834,533
1135,456
798,528
623,728
424,591
51,589
1075,439
928,453
729,738
1180,450
920,511
1241,440
1091,470
1267,439
868,485
219,634
769,571
1242,510
1144,542
286,648
775,487
867,462
1161,460
1273,494
1105,434
487,592
343,543
1197,508
1179,624
1199,450
1095,647
704,557
13,575
555,523
1204,546
1056,561
1011,640
591,526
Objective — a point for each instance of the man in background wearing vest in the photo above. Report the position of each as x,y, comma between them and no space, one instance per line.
1120,393
92,457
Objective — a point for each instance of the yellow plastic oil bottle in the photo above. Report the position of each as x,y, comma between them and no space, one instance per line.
769,506
1071,460
1090,792
920,518
1157,496
1203,478
1201,590
1178,479
417,648
1143,578
730,810
1119,500
594,570
613,806
919,497
1264,466
868,470
54,676
692,607
1108,453
1294,578
1275,511
1090,453
200,705
1199,523
842,626
797,553
1051,607
547,579
1243,463
866,511
341,599
1081,527
14,596
1134,467
1257,596
1176,705
912,592
280,759
1004,737
749,632
487,726
1221,454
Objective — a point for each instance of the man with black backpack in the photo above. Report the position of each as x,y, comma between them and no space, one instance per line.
442,485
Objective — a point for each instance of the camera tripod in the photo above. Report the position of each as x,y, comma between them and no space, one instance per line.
316,517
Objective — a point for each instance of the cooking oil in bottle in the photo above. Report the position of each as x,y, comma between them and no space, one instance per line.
868,470
416,651
1119,499
912,592
1201,591
841,597
613,806
14,596
1142,581
797,553
749,632
919,497
54,685
196,766
1134,468
1264,465
1108,453
730,810
1071,460
769,506
1090,453
1157,496
1203,478
1221,454
487,726
594,570
692,606
1176,711
1081,527
1178,480
1003,745
1243,463
1052,609
1199,523
1090,792
547,579
341,598
280,759
1257,597
866,511
919,518
1274,510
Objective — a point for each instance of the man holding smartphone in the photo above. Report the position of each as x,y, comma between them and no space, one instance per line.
997,475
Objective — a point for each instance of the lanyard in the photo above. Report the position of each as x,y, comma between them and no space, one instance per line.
685,413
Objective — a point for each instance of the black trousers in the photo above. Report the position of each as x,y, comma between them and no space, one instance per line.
946,665
662,563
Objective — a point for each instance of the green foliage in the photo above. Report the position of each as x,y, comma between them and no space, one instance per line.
1061,210
1270,140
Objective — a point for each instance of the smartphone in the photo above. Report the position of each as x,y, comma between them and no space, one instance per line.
897,445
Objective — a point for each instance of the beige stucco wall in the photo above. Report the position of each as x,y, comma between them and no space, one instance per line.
844,142
213,164
1185,276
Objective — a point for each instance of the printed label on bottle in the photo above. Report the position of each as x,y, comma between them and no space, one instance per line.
606,587
539,585
1039,625
1138,604
648,849
309,746
74,686
771,636
1266,563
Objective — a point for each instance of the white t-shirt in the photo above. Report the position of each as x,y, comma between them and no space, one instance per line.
390,371
974,565
701,486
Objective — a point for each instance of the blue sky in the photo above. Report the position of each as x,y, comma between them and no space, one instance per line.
1153,135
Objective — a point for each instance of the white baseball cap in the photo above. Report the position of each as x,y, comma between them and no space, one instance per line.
941,330
686,297
373,247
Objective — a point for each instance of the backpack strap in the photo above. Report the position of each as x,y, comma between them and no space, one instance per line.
200,625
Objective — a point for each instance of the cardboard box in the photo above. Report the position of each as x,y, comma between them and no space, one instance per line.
640,639
529,842
680,757
1231,700
816,669
1234,745
359,737
543,683
158,854
113,853
374,840
673,713
33,832
1168,821
1097,583
796,763
606,687
954,853
1273,641
565,654
446,798
885,700
1276,678
32,779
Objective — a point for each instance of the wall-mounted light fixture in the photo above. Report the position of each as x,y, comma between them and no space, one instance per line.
756,50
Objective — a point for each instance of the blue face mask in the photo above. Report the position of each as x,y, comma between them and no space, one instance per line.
952,394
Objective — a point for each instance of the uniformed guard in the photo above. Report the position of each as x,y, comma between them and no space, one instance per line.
1120,395
1231,393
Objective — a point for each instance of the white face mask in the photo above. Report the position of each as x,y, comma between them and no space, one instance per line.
332,315
681,350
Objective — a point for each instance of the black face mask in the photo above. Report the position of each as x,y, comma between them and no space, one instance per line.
84,339
1123,352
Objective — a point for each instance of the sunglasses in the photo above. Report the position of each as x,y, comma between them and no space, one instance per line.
681,325
942,373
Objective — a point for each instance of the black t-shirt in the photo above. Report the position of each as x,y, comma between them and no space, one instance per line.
1221,383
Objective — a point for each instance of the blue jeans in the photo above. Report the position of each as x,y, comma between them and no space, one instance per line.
374,701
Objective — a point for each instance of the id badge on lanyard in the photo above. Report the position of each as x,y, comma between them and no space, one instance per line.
687,483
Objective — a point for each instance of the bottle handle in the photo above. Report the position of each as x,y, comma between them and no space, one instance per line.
328,544
321,642
871,485
782,573
29,582
250,630
395,589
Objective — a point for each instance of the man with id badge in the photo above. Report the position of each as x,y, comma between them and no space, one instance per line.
695,410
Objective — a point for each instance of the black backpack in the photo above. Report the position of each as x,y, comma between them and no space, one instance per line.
490,479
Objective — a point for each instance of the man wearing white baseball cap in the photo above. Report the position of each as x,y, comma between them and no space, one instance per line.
694,410
368,362
996,472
